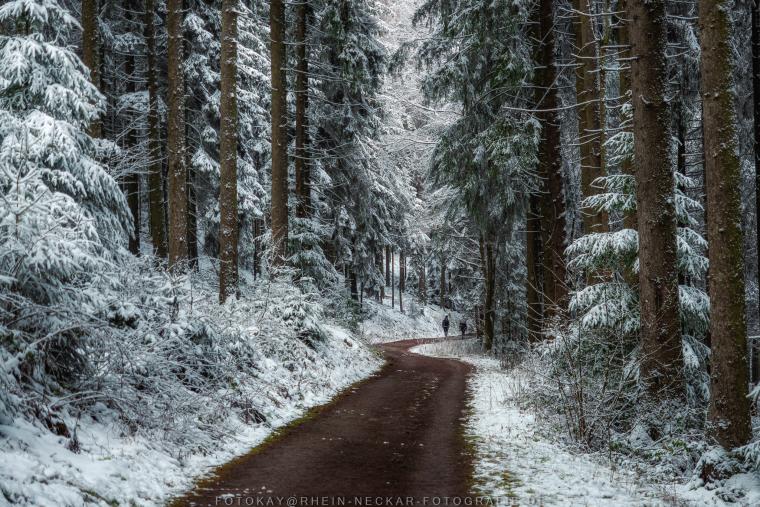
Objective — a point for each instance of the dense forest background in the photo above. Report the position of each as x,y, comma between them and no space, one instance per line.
576,179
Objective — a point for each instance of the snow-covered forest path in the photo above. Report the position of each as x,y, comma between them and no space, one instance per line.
398,434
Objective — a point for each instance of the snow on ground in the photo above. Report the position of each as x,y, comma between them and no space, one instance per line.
111,468
384,324
520,461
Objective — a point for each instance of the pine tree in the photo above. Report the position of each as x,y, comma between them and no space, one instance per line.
155,174
63,214
90,50
661,362
729,405
279,133
587,88
551,199
303,176
177,170
228,196
478,57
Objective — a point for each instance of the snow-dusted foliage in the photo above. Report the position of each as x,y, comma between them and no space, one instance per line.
361,200
174,383
63,219
479,57
610,259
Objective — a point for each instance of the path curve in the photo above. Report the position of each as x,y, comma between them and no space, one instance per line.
396,435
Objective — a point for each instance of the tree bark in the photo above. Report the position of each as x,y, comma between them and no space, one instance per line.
443,282
279,133
630,220
755,375
176,172
302,167
90,52
587,96
132,181
488,262
387,266
393,279
729,415
228,141
661,361
422,284
155,176
552,202
380,265
533,264
401,280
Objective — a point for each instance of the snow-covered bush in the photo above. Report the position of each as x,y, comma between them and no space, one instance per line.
62,217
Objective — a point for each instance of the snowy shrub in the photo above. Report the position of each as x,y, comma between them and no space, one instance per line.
62,216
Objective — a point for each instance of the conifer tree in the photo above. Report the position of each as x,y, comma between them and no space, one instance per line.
228,195
661,361
279,133
729,415
176,170
155,173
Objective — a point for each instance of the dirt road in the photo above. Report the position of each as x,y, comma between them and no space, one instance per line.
397,435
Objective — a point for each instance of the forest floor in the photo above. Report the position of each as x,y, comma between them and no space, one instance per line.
522,456
397,436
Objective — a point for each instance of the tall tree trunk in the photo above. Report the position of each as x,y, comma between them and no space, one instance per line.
422,284
729,416
393,279
192,202
176,172
630,220
132,181
257,227
302,167
533,264
443,282
587,96
380,265
401,280
662,361
192,216
228,141
352,281
155,176
279,133
552,201
387,266
756,108
488,263
90,52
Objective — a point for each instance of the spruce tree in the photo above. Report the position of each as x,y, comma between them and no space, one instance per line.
661,362
729,415
228,195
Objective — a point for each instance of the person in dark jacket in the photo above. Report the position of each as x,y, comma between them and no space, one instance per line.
463,327
446,326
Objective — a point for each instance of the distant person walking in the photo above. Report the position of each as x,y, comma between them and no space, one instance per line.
463,327
446,326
